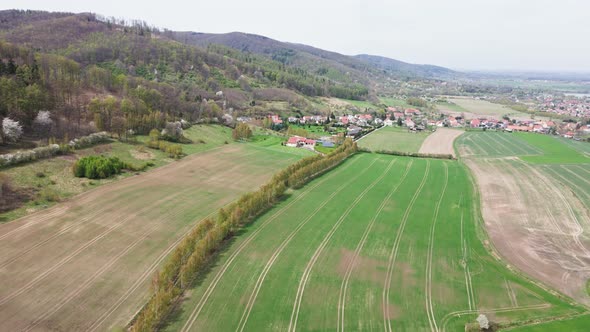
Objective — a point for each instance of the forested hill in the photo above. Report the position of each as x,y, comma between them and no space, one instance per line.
315,59
94,73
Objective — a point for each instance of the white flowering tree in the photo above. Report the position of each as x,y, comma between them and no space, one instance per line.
12,130
42,123
483,321
173,130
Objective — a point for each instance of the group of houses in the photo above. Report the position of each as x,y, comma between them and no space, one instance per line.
573,106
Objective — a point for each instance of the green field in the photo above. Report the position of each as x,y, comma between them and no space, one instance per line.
380,242
395,102
393,139
494,144
577,324
554,151
575,177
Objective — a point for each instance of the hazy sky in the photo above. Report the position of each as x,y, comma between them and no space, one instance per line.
548,35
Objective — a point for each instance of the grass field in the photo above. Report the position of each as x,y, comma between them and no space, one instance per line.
395,102
474,108
554,151
393,139
577,324
494,144
86,264
379,243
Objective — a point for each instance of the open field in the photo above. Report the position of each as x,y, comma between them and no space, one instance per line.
577,324
52,180
86,264
494,144
379,243
441,141
393,139
475,108
534,204
554,151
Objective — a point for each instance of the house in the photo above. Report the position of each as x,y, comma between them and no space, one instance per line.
378,121
292,119
388,122
353,130
398,115
475,123
410,123
298,141
412,112
275,119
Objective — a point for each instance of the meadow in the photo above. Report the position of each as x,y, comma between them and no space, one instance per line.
379,243
87,263
475,108
393,139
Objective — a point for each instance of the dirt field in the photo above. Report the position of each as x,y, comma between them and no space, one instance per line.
86,264
440,142
535,222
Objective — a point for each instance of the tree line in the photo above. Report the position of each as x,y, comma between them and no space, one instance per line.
200,246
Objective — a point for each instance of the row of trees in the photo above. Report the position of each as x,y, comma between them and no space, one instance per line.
196,250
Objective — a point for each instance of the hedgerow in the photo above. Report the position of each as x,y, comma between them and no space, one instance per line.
197,248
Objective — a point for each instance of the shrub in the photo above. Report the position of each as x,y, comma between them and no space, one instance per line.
49,195
98,167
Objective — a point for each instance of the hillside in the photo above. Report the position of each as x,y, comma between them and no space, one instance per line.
361,67
96,73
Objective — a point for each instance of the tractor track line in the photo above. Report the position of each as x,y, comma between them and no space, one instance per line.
97,274
197,310
394,249
69,257
428,282
359,247
281,247
319,250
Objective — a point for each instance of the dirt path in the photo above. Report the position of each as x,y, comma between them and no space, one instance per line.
86,263
441,141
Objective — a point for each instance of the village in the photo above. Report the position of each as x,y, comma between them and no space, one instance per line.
357,125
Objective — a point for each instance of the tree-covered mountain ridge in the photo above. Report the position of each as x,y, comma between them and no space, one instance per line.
94,73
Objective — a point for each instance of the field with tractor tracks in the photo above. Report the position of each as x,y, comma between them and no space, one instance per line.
87,263
535,195
379,243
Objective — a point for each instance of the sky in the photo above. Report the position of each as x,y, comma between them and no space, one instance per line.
503,35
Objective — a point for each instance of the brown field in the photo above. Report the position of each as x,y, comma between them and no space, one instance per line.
86,264
536,223
440,142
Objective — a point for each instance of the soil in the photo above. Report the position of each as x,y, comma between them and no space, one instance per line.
440,142
535,224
